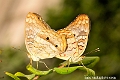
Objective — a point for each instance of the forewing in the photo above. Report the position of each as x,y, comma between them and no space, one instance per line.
80,28
76,37
40,40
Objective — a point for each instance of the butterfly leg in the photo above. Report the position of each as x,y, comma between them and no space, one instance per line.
44,64
80,62
37,64
65,63
30,61
68,62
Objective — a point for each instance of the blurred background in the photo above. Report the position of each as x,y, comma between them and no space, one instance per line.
105,34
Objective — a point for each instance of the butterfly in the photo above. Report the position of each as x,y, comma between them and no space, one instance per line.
76,37
41,41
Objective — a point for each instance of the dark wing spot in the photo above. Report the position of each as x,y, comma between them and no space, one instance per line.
56,45
74,34
47,38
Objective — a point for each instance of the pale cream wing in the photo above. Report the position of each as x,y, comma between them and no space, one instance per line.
41,41
80,28
77,44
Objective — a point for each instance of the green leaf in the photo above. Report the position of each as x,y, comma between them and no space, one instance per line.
19,74
23,75
38,72
90,61
67,70
11,75
87,61
90,72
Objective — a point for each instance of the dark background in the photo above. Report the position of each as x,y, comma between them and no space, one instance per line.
105,33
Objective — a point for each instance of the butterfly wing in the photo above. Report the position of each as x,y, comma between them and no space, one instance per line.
77,44
80,28
41,41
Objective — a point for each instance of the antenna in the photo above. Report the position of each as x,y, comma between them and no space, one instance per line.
95,50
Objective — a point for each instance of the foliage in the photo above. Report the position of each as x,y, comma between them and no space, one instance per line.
65,70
